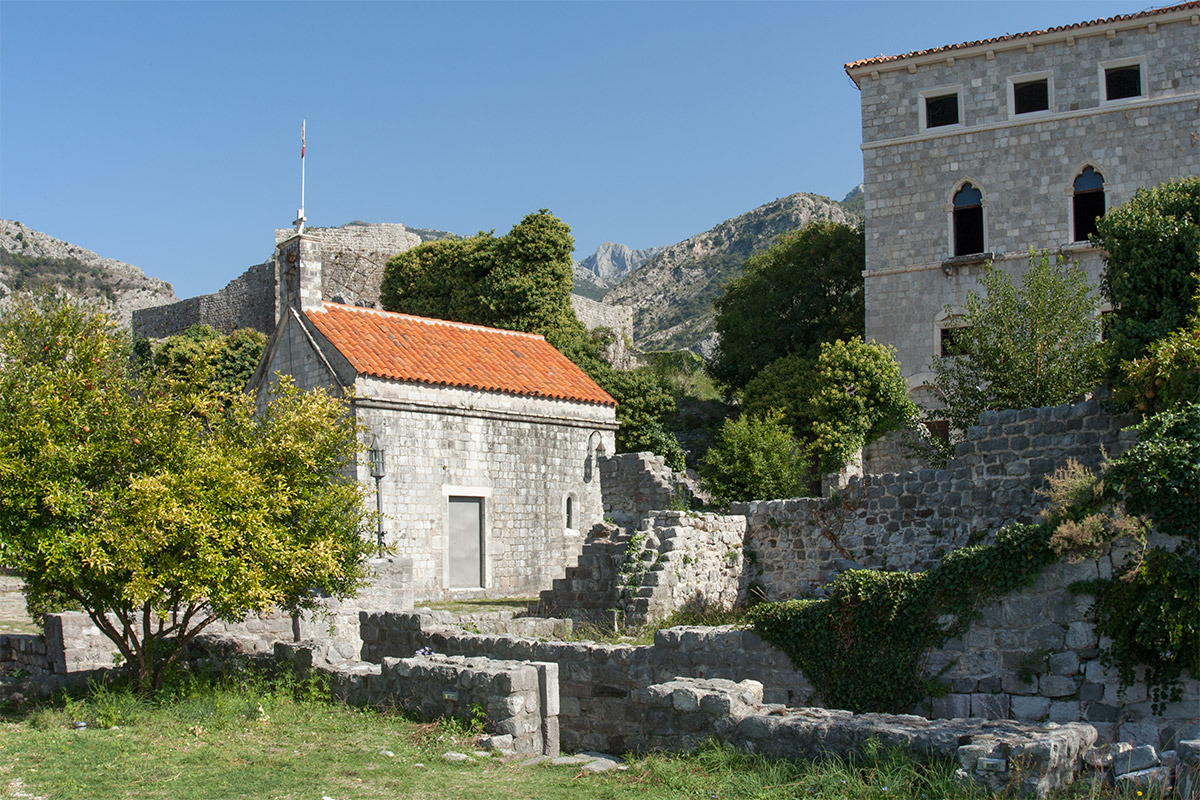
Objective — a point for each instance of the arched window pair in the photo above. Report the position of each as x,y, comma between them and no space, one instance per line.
1087,205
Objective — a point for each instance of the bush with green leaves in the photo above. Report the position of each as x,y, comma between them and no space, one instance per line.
1159,477
851,395
1037,345
1153,266
804,290
755,458
202,355
157,504
1168,375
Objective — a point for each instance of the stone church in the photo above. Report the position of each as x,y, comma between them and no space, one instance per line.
979,151
490,438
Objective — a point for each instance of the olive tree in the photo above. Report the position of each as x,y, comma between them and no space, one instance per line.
159,506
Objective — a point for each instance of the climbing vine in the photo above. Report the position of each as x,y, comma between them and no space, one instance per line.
864,647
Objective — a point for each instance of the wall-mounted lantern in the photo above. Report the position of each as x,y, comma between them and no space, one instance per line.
378,470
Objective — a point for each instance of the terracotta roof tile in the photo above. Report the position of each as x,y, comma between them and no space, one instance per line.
1009,37
421,350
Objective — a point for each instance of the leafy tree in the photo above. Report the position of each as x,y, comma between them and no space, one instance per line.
805,289
157,505
755,458
522,281
1153,266
849,396
203,355
1168,375
1034,346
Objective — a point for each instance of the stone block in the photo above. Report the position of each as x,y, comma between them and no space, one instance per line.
1064,710
1135,759
990,706
951,706
1151,781
1139,734
1064,663
1030,709
1056,686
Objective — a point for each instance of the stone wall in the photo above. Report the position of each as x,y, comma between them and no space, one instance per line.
618,319
248,301
23,652
1024,165
353,258
675,560
520,698
1034,655
600,683
634,484
908,521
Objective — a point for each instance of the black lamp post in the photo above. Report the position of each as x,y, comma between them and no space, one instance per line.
378,470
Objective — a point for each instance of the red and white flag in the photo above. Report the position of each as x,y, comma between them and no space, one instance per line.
301,140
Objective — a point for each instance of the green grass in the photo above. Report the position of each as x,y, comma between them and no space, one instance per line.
246,735
481,605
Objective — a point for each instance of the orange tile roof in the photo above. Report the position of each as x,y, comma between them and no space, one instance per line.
1009,37
421,350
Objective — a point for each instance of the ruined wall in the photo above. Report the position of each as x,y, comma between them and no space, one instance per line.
598,683
908,521
353,258
634,484
618,320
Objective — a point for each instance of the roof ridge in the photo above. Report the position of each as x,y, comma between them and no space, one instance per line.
426,320
1150,12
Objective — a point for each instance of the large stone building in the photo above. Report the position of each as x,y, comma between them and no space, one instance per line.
491,438
979,151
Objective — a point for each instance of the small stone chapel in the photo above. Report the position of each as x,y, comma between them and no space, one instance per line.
490,438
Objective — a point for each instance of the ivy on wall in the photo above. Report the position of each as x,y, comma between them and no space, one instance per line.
864,647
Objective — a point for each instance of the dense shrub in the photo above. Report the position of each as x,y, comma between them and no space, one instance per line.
755,458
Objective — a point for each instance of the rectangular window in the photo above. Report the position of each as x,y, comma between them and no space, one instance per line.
946,345
1121,82
1031,96
941,111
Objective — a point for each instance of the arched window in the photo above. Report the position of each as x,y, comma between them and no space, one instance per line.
572,522
1087,204
968,221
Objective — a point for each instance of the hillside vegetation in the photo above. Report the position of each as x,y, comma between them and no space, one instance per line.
30,258
672,293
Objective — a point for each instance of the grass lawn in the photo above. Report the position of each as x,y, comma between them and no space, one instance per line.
249,736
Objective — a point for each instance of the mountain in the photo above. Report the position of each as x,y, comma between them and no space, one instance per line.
611,262
29,258
672,293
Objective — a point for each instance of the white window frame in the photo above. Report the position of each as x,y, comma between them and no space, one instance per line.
940,91
1030,77
1117,63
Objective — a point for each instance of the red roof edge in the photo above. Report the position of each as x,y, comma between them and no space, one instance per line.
1195,4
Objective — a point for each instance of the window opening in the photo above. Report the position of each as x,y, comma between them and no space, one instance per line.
947,346
941,111
1120,82
1031,96
968,221
571,524
1088,202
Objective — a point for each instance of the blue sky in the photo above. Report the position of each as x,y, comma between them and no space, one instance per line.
166,134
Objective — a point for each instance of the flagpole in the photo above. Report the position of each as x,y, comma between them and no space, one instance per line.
299,223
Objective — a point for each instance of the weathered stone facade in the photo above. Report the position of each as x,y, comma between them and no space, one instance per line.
1024,164
353,258
530,462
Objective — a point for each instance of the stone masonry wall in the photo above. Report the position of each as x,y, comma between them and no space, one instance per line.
1024,165
910,520
352,258
520,699
1035,655
634,484
248,301
618,319
602,703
